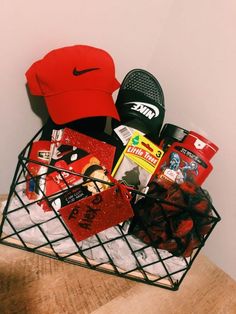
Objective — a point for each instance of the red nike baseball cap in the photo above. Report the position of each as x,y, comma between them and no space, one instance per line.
76,81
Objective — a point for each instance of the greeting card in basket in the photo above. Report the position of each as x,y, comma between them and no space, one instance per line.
70,177
98,212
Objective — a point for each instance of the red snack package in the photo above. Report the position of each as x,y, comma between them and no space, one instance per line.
98,212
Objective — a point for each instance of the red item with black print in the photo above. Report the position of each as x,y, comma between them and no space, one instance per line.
188,160
174,219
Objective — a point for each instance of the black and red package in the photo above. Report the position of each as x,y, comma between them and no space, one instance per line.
70,177
173,217
74,158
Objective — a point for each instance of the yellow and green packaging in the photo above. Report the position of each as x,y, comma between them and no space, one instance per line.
138,162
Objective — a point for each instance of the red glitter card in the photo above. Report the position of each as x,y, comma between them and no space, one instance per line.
98,212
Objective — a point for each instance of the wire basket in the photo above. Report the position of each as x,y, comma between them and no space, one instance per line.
116,251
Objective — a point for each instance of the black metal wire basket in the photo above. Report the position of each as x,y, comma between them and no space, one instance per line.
117,250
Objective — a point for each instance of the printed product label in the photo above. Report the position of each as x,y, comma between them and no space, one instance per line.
138,162
124,133
180,164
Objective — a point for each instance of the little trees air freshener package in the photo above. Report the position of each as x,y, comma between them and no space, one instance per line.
138,162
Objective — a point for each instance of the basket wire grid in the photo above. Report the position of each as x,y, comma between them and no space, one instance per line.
139,270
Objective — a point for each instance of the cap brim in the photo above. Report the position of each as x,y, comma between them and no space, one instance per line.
31,76
74,105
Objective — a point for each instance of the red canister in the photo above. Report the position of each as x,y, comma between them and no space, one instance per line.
201,145
188,160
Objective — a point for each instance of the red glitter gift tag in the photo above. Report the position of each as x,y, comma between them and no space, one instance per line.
98,212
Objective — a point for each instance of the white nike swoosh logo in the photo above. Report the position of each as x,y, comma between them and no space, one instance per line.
152,107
